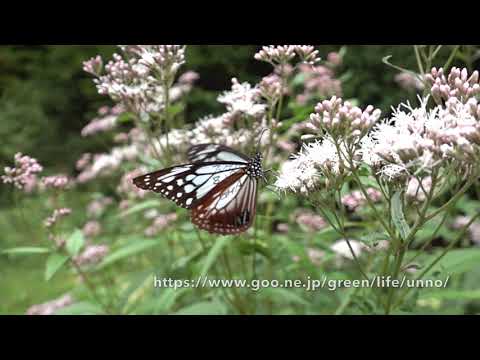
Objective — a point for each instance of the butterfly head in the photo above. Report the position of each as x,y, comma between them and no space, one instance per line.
255,169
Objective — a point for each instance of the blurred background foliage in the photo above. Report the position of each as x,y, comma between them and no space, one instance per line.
46,99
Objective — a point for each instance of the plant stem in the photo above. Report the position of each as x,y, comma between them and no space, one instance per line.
90,286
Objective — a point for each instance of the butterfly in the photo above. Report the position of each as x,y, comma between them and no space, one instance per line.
218,185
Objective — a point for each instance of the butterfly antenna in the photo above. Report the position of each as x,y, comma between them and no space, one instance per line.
260,139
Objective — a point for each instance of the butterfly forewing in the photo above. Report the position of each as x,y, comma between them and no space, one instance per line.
228,209
187,184
214,152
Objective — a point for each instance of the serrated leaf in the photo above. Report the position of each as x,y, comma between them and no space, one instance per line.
75,242
26,251
54,263
213,254
133,248
398,216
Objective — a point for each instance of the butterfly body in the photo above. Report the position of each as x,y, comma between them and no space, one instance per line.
219,186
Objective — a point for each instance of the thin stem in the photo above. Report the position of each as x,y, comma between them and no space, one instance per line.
90,286
451,57
440,257
419,59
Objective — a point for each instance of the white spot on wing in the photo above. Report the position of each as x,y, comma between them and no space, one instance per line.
189,188
228,156
169,179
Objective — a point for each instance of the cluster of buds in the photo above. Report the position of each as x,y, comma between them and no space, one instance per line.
24,175
126,81
320,82
159,224
94,66
356,198
92,255
310,221
57,182
456,85
56,216
340,118
92,229
97,207
271,88
106,121
163,60
283,54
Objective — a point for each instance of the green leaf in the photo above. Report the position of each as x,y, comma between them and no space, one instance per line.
252,247
398,217
167,299
26,251
176,109
184,261
125,117
455,295
457,262
140,207
213,254
133,248
204,308
162,303
81,308
284,296
75,242
54,264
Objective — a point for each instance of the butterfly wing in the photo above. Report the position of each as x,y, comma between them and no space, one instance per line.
229,208
214,152
186,185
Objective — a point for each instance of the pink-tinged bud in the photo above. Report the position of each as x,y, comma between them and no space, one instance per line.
474,78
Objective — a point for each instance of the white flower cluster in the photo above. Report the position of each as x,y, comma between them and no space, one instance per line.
305,170
421,139
242,99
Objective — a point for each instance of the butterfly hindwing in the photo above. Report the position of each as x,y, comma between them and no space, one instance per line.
187,184
214,152
229,208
